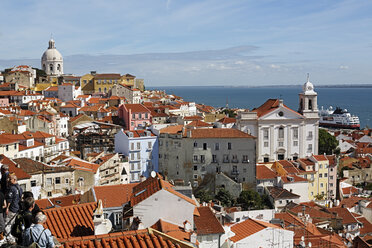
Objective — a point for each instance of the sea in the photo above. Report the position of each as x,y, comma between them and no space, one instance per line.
358,101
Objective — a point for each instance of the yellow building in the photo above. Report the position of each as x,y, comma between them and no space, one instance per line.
128,80
104,82
87,85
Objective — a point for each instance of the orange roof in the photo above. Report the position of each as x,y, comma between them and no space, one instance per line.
268,106
71,221
21,174
139,133
320,157
52,88
227,120
199,123
114,195
350,190
293,179
172,129
306,161
206,222
249,227
193,118
82,165
135,108
172,230
203,133
344,213
152,185
262,172
146,238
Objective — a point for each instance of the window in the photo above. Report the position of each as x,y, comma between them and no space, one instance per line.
331,177
312,193
245,159
320,166
195,167
132,156
202,158
266,159
49,181
33,183
295,133
7,148
195,144
133,116
280,202
49,194
58,180
281,144
140,116
195,158
66,181
138,155
225,158
325,175
204,146
310,136
195,176
310,148
331,184
229,146
320,175
138,145
295,143
217,146
146,115
321,185
132,146
214,158
266,144
281,133
118,219
266,133
280,156
149,144
235,158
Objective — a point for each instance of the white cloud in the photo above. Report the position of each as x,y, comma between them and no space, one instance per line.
273,66
344,67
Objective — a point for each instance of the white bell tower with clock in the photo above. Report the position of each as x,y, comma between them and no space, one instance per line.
308,101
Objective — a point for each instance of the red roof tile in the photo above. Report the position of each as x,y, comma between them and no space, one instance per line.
71,221
262,173
344,213
269,106
248,227
199,123
114,195
136,108
207,223
203,133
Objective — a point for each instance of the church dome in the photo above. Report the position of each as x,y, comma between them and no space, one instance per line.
52,54
308,88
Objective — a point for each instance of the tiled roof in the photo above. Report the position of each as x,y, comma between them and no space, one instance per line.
71,221
350,201
107,76
269,106
193,118
172,230
152,185
248,227
320,157
114,195
207,223
279,193
172,129
227,120
293,179
262,173
203,133
345,214
136,108
34,167
199,123
82,165
306,161
147,238
350,190
139,133
20,173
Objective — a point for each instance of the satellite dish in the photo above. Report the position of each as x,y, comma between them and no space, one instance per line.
153,174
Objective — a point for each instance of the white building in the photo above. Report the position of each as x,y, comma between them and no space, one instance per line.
255,233
184,109
52,61
141,147
281,132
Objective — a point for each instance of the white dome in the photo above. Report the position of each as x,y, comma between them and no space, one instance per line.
52,54
308,88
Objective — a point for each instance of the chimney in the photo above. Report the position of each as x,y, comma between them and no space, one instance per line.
193,237
187,226
280,102
101,225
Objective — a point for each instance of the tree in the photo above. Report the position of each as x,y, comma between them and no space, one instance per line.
225,197
250,199
204,196
327,142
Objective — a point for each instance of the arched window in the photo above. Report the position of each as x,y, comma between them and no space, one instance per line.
51,67
99,90
59,67
281,133
105,90
310,104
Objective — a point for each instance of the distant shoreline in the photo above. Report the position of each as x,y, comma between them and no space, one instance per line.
343,86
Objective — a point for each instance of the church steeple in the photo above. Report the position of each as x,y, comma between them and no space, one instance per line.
51,44
308,100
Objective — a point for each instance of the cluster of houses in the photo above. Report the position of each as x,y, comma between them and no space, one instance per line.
123,162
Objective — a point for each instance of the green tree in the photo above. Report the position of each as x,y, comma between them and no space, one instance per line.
327,142
204,196
250,199
225,197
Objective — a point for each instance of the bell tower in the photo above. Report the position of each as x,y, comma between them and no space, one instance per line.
308,101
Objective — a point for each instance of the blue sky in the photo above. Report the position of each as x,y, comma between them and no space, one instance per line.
170,42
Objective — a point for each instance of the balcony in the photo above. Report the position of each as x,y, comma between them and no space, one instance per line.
235,160
234,173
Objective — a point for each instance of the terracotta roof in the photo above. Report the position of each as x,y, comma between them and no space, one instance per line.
306,161
227,120
172,129
248,227
71,221
269,106
152,185
279,193
139,133
147,238
207,223
172,230
20,173
79,164
203,133
320,157
350,201
199,123
262,173
52,88
35,167
114,195
44,203
293,179
136,108
350,190
107,76
193,118
344,213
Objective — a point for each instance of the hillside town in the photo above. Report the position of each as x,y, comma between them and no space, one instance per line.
98,160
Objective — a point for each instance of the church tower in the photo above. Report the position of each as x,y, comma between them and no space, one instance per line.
52,61
308,101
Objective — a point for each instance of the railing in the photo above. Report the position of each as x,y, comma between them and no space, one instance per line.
235,173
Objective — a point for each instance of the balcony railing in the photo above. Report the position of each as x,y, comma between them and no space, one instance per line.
235,173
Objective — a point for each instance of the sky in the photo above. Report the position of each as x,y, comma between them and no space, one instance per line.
201,42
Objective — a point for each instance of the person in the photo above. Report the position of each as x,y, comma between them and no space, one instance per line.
4,178
37,233
13,197
24,219
2,207
25,195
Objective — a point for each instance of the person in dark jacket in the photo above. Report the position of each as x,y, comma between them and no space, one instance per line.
36,209
13,198
4,178
26,213
2,222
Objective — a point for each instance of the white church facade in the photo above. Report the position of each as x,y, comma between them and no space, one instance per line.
281,132
52,61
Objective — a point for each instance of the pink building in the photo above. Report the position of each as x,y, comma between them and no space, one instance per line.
4,102
134,116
